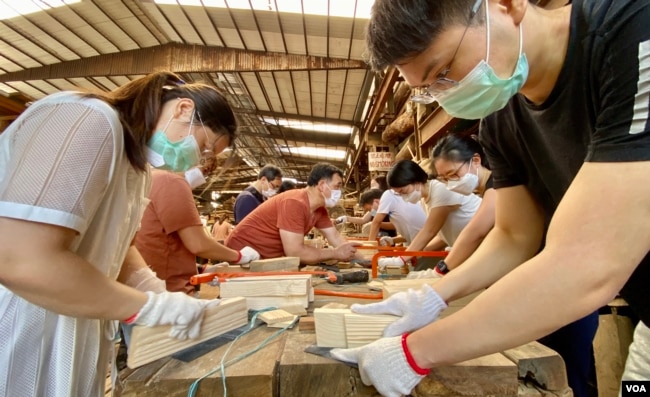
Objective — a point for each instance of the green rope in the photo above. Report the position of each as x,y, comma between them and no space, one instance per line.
223,364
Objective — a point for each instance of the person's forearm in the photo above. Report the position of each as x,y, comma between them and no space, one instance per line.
65,283
211,249
311,255
464,246
514,310
387,226
498,254
374,229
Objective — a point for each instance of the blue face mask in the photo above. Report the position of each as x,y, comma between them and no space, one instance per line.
482,92
373,212
177,156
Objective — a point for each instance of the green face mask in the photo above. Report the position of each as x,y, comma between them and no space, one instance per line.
482,92
173,156
177,156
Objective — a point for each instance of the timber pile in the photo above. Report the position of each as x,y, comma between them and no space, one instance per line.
151,343
270,291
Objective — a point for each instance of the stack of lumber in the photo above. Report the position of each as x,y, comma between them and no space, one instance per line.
151,343
262,292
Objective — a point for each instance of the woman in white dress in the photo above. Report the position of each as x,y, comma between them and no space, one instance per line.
73,181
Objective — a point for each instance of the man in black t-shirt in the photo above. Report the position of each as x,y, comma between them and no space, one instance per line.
564,95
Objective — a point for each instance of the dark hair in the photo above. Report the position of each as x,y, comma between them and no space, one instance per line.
286,185
400,29
139,105
368,196
270,171
458,149
381,181
322,171
405,172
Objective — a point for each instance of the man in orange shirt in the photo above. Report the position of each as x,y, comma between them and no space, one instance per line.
171,235
278,226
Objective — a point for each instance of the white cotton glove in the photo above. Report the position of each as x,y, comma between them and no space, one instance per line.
386,241
177,309
390,261
246,255
341,219
144,279
416,309
383,364
429,273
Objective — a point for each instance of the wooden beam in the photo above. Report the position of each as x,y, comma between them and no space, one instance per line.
384,92
151,343
284,263
181,58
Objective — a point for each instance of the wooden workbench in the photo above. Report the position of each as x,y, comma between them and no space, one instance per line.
283,369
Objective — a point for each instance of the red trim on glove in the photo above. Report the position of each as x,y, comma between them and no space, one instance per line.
239,255
411,360
131,319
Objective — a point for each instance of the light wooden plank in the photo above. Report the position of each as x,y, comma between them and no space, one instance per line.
361,329
287,263
151,343
337,327
330,327
275,316
264,302
263,286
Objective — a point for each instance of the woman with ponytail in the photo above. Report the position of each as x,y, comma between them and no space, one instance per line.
74,177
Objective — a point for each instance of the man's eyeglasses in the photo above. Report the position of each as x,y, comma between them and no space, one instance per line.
450,176
442,83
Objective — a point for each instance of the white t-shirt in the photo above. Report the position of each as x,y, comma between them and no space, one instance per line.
440,196
408,218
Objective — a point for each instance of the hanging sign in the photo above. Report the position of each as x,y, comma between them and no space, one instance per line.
380,161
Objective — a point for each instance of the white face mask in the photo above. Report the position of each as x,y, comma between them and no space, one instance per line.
270,192
466,184
333,199
195,177
413,197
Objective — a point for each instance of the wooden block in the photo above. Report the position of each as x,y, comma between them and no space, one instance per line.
540,364
262,292
361,329
287,263
342,328
275,316
282,324
151,343
264,302
491,375
297,310
304,374
330,327
297,285
335,305
307,324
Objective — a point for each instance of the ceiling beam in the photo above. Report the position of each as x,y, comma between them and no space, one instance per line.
181,58
292,116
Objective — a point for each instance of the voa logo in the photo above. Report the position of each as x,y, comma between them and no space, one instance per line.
635,388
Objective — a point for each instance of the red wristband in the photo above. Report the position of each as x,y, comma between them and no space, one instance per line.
131,319
238,257
411,360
